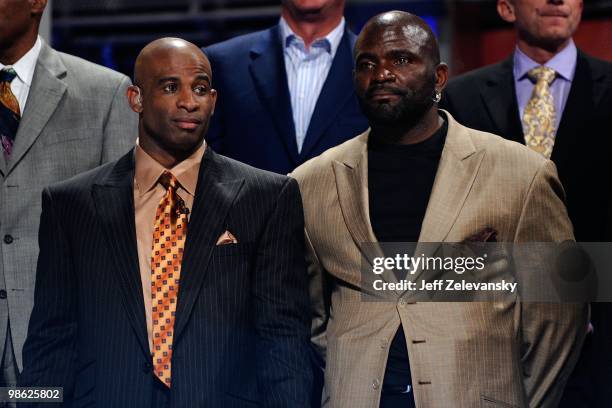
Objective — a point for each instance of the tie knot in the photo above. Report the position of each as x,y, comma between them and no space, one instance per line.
7,75
168,180
542,73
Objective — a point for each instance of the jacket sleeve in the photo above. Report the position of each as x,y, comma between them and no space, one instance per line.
49,353
281,306
552,333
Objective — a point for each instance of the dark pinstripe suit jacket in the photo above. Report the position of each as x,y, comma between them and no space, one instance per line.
242,321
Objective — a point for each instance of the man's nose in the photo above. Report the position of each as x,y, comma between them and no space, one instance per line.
383,74
187,100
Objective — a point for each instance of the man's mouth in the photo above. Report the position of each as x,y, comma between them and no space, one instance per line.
187,123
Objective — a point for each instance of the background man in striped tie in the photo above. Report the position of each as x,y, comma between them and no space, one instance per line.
59,116
557,100
173,276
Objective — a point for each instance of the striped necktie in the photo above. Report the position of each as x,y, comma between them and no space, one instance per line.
539,116
10,115
169,235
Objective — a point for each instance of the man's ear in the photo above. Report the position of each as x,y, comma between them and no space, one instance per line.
213,95
37,6
441,76
505,9
134,98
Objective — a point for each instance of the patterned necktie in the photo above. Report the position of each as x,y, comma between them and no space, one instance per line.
539,115
169,234
9,111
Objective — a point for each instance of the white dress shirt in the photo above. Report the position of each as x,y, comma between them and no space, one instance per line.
24,67
306,72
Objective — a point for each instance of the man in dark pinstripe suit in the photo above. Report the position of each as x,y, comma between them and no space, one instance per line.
236,329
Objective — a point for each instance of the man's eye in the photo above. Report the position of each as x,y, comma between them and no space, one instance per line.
201,90
366,66
402,60
170,88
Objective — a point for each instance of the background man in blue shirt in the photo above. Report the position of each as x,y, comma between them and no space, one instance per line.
286,93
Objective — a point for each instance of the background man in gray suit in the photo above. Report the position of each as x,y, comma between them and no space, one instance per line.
59,116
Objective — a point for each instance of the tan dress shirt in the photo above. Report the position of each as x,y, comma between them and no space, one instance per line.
147,196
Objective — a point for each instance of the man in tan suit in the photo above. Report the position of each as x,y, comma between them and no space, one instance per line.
418,175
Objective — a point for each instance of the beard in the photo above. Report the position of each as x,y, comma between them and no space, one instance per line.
406,112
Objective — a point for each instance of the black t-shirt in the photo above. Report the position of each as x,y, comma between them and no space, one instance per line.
400,179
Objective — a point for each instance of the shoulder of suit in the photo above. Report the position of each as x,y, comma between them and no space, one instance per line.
250,174
84,181
598,66
322,164
501,151
470,79
90,70
83,71
237,46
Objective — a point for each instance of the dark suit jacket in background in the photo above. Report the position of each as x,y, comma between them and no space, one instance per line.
241,334
485,99
253,120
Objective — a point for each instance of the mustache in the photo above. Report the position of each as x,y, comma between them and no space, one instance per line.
383,89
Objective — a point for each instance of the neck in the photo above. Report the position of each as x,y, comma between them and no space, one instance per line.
541,54
422,130
12,53
313,26
161,155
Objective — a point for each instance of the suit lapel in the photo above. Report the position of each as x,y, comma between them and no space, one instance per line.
45,94
333,95
352,186
215,194
499,98
580,104
268,71
114,200
458,168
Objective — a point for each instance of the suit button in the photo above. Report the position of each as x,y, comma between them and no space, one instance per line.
2,294
8,239
384,343
147,367
402,303
375,384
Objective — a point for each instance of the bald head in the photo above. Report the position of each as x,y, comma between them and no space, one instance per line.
174,98
408,26
162,49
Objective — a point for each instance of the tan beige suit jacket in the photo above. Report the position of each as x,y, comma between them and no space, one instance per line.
461,354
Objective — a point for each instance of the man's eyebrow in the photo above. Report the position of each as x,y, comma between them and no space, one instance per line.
365,55
401,51
167,79
203,77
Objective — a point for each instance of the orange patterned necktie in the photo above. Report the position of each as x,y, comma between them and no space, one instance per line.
169,235
539,116
10,114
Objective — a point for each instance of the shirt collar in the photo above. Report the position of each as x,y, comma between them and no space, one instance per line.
330,42
25,66
148,170
564,62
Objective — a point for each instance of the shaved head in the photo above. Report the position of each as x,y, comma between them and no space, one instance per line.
411,27
160,49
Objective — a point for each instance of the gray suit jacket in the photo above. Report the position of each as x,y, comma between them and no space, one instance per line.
461,354
76,118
